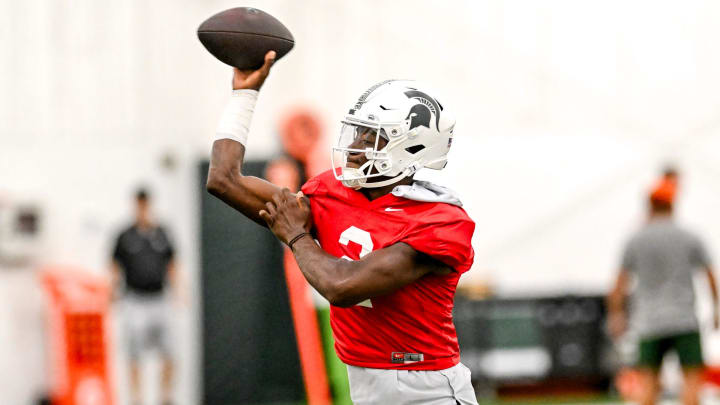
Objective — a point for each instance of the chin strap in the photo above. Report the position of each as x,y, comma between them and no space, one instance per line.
363,183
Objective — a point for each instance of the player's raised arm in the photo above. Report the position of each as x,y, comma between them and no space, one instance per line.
246,194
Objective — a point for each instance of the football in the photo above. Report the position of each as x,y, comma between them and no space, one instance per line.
242,36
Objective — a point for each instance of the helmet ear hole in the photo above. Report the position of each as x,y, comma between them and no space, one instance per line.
415,149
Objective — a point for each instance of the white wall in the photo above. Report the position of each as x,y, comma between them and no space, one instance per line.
565,110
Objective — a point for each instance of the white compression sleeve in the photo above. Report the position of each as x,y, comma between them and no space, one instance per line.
235,120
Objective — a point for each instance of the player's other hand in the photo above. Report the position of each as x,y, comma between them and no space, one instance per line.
287,215
253,79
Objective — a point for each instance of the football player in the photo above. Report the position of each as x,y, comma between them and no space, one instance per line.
385,250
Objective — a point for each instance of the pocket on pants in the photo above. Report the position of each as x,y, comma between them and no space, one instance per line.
461,382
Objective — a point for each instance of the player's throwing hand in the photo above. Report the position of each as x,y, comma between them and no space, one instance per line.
287,215
253,79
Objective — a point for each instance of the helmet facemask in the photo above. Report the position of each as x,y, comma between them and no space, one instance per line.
368,140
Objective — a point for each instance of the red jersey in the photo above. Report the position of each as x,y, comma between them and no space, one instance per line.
410,328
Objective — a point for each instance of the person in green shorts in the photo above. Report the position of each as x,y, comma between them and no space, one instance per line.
661,259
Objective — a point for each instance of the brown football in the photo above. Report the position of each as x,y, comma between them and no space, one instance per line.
242,36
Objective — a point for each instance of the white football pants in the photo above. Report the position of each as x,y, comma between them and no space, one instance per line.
371,386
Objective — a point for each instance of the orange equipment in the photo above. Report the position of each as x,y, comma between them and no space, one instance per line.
78,337
283,172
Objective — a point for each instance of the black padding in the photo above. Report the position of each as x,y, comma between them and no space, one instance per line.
249,348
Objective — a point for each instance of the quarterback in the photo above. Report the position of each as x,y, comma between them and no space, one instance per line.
385,250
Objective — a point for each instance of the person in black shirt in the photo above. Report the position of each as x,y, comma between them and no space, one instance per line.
144,259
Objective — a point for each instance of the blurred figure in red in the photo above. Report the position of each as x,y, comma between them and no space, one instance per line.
144,259
661,258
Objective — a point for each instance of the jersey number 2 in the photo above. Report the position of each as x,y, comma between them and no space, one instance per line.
362,238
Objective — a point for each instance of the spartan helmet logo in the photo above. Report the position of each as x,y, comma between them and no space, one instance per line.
420,114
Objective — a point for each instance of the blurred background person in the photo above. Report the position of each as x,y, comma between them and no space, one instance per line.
662,258
144,258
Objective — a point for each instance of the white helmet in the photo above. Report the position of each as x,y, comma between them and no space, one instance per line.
417,128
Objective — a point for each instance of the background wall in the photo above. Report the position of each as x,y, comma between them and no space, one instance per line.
566,111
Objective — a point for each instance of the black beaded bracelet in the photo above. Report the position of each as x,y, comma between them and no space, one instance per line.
297,238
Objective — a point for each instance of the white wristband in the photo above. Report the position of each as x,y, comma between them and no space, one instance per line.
235,120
